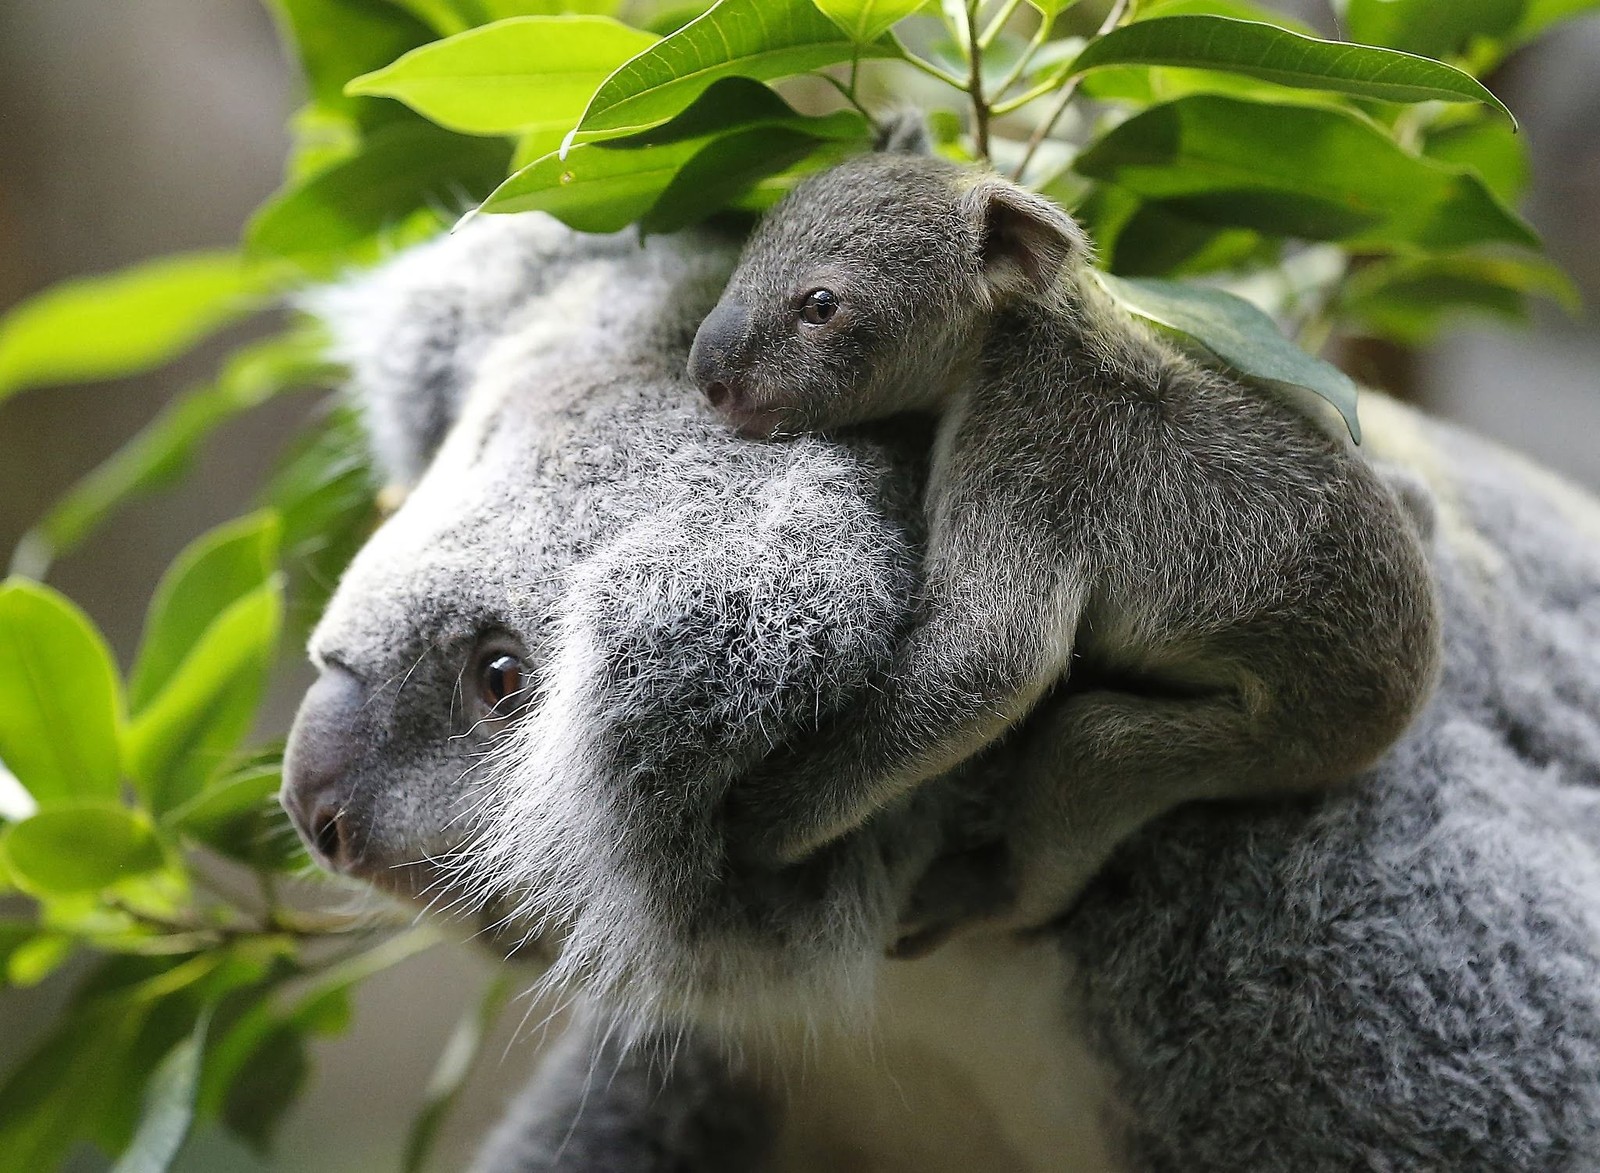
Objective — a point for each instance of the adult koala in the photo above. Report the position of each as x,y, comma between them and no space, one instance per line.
1402,977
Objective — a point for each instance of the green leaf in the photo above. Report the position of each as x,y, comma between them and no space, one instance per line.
163,451
239,817
1299,171
1411,299
761,39
1236,9
182,736
1540,15
1488,149
125,322
864,21
29,962
168,1107
1286,58
1428,27
1157,241
80,847
60,699
604,187
210,575
399,170
323,492
1239,334
336,40
526,74
450,1073
723,171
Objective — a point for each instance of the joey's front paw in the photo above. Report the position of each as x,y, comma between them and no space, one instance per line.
959,891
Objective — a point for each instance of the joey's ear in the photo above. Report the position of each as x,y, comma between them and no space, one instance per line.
1025,241
905,132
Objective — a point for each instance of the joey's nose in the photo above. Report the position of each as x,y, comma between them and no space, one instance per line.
319,766
711,359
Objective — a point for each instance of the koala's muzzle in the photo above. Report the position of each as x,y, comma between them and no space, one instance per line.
319,769
712,359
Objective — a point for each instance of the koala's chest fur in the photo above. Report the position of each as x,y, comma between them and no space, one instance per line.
973,1062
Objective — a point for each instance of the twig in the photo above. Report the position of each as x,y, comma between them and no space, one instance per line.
980,107
1119,9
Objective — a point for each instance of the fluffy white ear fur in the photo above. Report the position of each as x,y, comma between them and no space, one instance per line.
1027,242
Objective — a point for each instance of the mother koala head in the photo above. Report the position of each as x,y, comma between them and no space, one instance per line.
594,609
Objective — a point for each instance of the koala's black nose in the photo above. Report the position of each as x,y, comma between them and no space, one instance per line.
318,768
716,345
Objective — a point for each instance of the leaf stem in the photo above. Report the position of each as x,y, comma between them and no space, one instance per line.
848,93
1020,68
1119,9
931,69
999,22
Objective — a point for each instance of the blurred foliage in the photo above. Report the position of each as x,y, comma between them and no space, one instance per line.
1208,145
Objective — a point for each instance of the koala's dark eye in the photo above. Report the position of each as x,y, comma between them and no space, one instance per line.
502,682
819,305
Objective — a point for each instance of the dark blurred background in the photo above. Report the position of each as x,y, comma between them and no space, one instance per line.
141,127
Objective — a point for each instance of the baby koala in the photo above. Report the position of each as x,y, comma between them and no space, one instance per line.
1237,604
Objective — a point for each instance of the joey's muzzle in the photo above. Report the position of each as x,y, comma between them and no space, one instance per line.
713,358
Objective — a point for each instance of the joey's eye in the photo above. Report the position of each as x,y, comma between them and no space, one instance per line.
502,681
819,305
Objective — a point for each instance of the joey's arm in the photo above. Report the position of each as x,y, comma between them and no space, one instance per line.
999,617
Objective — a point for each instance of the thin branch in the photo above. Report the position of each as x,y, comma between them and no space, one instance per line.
980,107
846,92
1119,9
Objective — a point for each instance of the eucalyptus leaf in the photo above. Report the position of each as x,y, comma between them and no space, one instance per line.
1487,148
526,74
183,735
864,21
60,697
125,322
1239,334
163,451
1410,299
1299,171
723,171
603,187
450,1074
336,40
761,39
80,847
323,492
1428,27
168,1107
1286,58
324,220
210,575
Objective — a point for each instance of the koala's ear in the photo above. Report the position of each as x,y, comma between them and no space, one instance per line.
1025,242
905,132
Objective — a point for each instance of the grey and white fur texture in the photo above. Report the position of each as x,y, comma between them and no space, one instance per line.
1255,599
1401,975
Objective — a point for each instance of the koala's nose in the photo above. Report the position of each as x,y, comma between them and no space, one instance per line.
325,745
716,344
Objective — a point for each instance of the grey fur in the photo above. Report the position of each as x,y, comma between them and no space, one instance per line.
1250,601
1401,976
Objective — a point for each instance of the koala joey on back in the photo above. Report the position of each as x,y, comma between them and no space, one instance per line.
1250,602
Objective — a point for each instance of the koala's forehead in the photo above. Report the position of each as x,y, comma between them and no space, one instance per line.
877,213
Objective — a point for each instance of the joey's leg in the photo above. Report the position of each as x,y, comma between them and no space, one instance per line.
998,632
1109,762
660,1107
